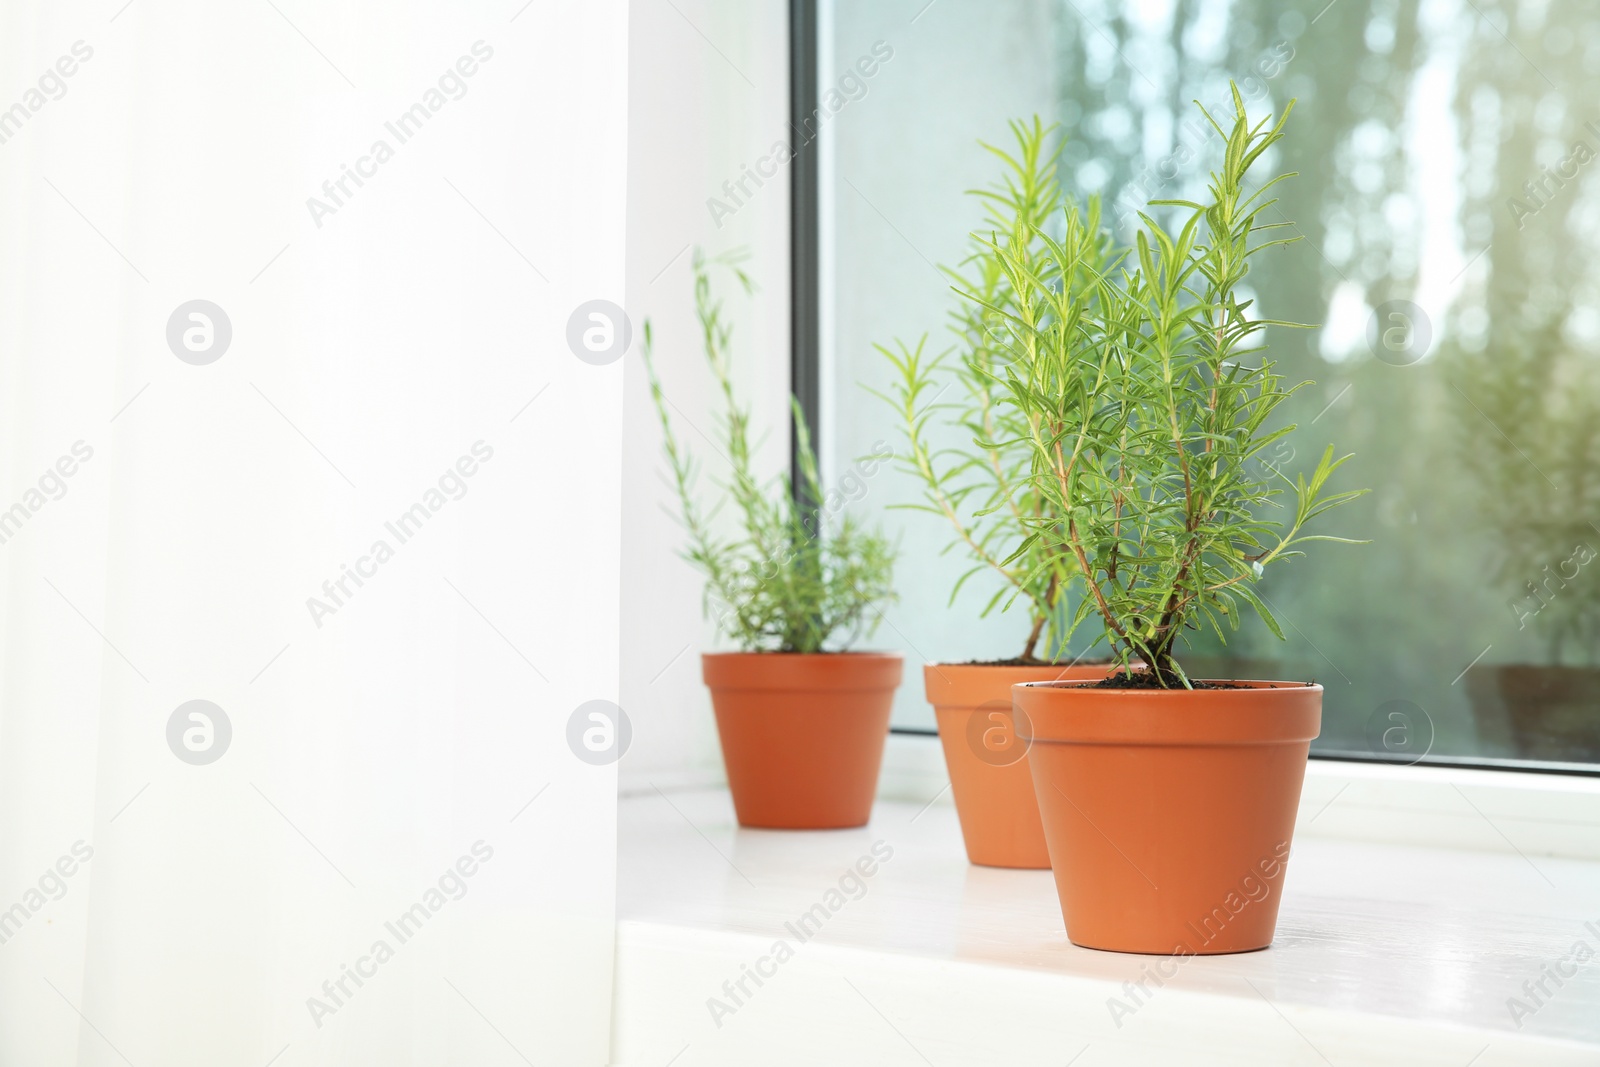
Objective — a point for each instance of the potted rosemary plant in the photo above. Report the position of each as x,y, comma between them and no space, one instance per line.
1168,801
983,491
802,725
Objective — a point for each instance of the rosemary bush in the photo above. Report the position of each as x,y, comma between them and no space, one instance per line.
1143,414
984,491
1138,390
792,581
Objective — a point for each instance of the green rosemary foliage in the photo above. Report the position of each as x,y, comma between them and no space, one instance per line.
1145,397
797,577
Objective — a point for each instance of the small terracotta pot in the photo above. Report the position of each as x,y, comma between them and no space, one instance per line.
989,775
802,733
1169,813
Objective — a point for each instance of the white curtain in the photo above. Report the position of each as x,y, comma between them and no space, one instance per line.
359,877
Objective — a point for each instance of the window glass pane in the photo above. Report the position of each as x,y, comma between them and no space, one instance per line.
1449,204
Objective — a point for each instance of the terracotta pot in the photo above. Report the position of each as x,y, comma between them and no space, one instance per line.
1169,813
989,775
802,734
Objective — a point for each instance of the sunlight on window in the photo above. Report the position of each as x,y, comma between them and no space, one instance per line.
1447,208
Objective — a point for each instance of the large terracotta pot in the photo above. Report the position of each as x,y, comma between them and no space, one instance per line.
989,775
802,733
1169,813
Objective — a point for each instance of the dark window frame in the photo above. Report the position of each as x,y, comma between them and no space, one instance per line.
805,363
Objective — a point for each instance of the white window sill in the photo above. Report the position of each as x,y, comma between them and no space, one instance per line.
1385,953
1534,814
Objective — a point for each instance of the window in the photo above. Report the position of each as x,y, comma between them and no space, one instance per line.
1448,200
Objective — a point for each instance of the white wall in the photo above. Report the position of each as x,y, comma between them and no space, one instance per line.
708,95
372,749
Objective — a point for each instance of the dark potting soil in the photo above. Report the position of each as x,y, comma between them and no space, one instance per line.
1034,661
1147,680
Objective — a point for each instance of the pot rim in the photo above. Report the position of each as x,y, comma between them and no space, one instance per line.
802,671
1229,686
1258,712
864,653
974,685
